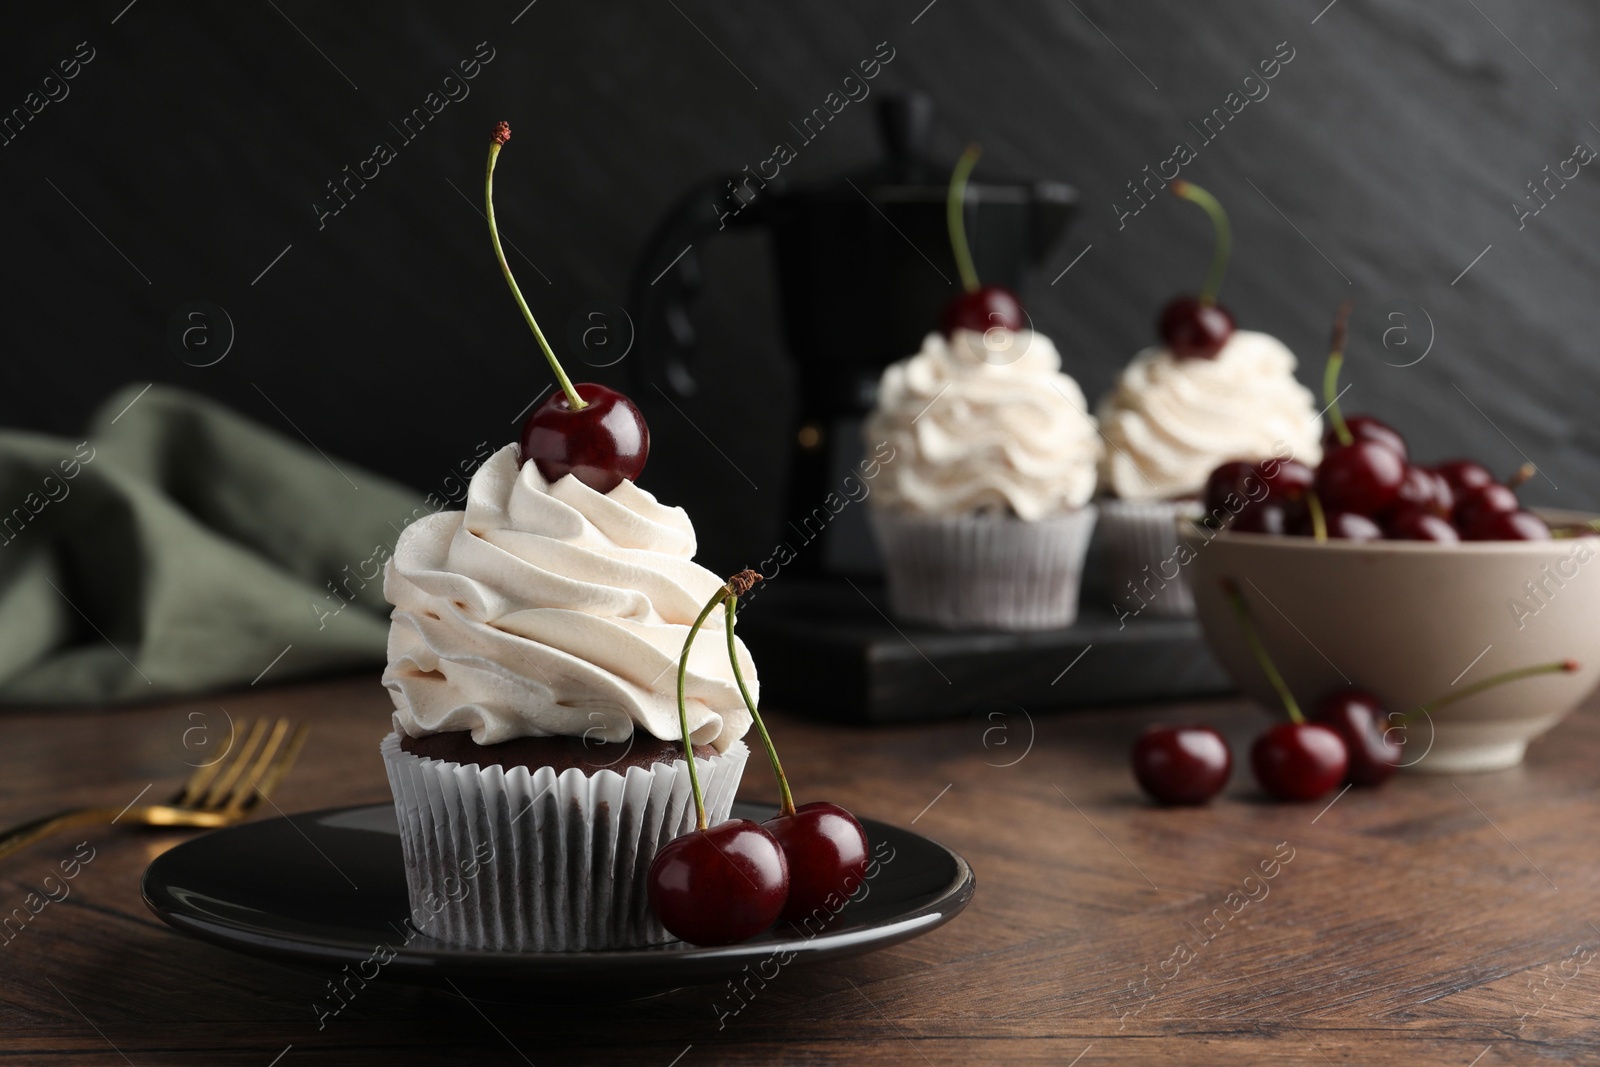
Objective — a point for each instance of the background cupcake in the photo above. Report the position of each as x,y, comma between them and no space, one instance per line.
983,512
1168,422
533,655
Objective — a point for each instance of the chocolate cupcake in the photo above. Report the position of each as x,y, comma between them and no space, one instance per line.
536,760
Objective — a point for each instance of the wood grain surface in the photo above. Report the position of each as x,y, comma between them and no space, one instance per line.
1437,921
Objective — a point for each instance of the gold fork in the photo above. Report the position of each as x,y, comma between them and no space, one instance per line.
222,792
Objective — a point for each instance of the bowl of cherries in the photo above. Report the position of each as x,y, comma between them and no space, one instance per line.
1407,582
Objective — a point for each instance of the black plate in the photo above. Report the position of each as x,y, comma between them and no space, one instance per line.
328,888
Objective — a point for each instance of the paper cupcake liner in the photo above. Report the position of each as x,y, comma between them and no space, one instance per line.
997,572
541,862
1142,556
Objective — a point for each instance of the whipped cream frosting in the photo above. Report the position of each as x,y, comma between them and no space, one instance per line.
551,609
1169,422
984,421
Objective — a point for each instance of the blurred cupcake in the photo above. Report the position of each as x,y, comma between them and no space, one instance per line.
983,511
1168,423
536,757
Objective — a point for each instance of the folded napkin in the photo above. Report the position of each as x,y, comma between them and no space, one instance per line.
180,548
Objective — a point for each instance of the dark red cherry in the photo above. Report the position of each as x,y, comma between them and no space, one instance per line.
1506,526
1299,760
1287,479
1348,526
1363,477
1266,517
982,309
1359,720
826,852
1367,428
1426,490
718,886
1229,480
1464,475
600,444
1181,764
1416,524
1193,330
1491,499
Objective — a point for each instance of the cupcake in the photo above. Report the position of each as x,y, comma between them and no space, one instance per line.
1170,421
536,757
982,510
1206,395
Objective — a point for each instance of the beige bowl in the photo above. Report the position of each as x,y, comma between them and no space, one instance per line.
1409,621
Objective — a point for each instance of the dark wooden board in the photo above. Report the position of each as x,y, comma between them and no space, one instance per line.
830,650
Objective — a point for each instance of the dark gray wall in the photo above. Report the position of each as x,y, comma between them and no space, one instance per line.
1392,148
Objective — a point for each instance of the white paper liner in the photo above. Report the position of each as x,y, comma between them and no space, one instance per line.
1142,556
571,853
992,571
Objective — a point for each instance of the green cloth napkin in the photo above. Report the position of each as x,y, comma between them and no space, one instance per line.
180,547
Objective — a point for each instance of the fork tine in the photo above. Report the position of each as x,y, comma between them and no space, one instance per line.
195,787
271,768
246,783
224,784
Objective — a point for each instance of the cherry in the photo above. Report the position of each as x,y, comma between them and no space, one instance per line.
589,431
1265,517
718,886
1490,499
1194,330
1427,490
1415,524
1229,479
601,444
1363,477
1181,764
1358,718
1299,760
1348,526
1367,428
982,309
826,852
1464,475
1506,526
1286,478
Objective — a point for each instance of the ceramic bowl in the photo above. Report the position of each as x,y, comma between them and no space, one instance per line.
1409,621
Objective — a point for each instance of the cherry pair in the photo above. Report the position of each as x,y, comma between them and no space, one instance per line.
721,884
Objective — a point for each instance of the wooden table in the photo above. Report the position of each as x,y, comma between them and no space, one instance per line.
1437,921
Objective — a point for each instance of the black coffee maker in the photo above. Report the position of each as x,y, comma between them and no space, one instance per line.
864,267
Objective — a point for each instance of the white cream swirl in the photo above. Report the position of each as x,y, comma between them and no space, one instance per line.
984,421
550,609
1169,422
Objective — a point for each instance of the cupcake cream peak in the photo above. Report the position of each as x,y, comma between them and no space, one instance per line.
550,609
1169,422
984,421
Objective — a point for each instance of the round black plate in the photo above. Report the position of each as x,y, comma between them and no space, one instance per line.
328,888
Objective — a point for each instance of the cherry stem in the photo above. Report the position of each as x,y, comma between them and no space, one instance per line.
1319,520
576,402
1330,376
683,710
1249,627
955,216
1219,223
1488,683
1523,473
786,799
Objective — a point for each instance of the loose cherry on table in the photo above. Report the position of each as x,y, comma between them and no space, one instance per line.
589,431
1181,764
977,307
1359,719
1196,327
